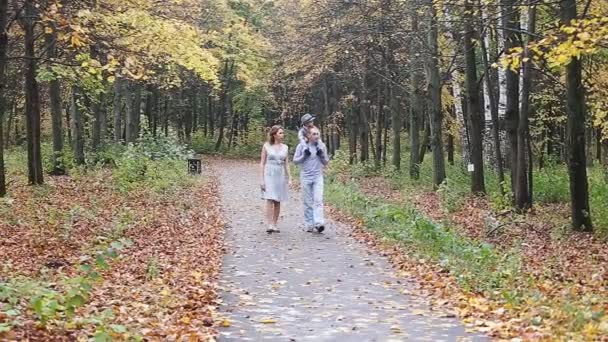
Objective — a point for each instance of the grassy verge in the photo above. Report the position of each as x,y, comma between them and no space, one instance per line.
521,296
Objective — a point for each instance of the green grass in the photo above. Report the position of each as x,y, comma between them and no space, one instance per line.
477,266
551,184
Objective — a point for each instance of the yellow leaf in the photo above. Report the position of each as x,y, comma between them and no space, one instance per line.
225,323
185,320
583,36
48,30
268,321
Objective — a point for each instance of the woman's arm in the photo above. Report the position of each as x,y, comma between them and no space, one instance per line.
262,165
287,170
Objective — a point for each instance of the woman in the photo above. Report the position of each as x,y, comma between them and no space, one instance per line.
276,178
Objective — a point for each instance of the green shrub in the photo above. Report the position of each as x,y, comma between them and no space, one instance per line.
598,200
551,185
452,198
247,145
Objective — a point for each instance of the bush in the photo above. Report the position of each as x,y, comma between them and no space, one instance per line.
158,164
551,185
246,146
598,200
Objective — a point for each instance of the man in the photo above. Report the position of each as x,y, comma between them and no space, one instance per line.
308,122
312,157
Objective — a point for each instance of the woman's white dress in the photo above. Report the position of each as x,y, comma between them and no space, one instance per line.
275,177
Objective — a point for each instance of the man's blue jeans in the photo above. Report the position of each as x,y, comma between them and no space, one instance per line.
312,193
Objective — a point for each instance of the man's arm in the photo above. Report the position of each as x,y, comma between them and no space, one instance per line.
299,156
324,156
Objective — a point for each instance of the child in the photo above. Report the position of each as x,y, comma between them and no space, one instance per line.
312,157
308,122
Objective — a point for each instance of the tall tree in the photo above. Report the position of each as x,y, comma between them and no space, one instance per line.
32,95
523,195
117,109
56,111
473,107
3,82
78,140
434,89
417,109
511,28
577,164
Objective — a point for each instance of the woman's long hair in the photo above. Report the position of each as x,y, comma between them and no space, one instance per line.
273,131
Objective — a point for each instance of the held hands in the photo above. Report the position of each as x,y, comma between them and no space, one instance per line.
320,152
307,152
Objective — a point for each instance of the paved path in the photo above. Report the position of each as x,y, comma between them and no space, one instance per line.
297,286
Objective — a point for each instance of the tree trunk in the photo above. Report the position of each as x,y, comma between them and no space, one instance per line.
494,116
396,126
205,114
32,97
195,109
68,120
424,144
117,109
211,116
56,111
233,130
225,99
378,135
416,114
523,198
77,127
363,122
130,129
353,131
3,60
598,145
155,111
99,118
149,107
434,89
136,112
511,24
166,116
579,188
188,117
450,143
473,107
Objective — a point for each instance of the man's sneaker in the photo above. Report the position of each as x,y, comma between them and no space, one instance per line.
320,229
310,229
269,229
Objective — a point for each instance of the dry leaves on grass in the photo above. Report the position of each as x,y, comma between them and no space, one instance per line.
565,272
163,287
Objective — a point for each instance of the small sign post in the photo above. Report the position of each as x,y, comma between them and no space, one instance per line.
195,166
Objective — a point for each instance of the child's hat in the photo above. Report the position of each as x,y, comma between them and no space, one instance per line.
306,118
